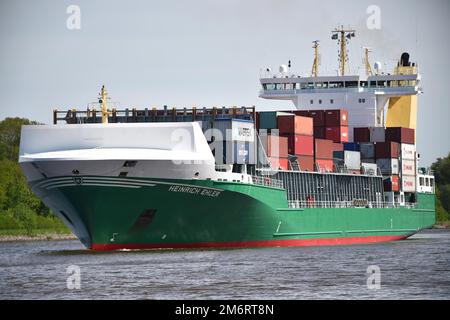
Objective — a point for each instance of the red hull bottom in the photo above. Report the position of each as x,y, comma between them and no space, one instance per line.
251,244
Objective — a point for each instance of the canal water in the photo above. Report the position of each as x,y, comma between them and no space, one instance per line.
417,268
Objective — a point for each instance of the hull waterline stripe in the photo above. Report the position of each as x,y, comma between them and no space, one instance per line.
70,179
47,183
252,244
99,182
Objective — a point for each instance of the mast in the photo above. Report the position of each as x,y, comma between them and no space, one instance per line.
342,35
366,61
104,105
315,67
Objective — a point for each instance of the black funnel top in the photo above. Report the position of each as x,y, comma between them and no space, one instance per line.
404,60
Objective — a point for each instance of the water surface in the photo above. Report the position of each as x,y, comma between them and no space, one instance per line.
417,268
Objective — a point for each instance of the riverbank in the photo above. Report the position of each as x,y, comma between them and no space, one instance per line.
442,225
39,235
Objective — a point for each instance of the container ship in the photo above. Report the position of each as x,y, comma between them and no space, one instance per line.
341,168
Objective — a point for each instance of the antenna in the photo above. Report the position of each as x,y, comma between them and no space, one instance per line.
342,36
315,67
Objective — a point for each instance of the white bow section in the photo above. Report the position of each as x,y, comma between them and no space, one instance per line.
118,141
157,150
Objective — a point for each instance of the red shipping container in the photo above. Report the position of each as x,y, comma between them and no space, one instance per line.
387,150
301,145
323,149
279,163
318,117
335,118
391,184
400,135
338,147
324,165
319,132
292,125
275,146
361,135
306,163
337,134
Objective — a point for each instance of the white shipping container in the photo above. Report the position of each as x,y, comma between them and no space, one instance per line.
352,160
409,184
234,130
408,151
408,168
369,168
377,134
388,166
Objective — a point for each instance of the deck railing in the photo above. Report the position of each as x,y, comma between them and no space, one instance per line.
268,182
300,204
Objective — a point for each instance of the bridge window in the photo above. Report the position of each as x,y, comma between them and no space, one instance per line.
310,85
381,83
303,85
373,83
279,86
270,86
421,181
338,84
289,86
364,84
351,84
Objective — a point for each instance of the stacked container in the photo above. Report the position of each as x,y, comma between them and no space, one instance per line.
405,137
276,149
367,150
323,154
361,135
391,184
268,120
408,167
299,133
234,141
387,154
318,117
350,159
336,125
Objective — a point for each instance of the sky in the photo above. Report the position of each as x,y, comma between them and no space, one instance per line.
209,53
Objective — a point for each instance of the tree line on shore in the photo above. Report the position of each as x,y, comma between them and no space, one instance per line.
22,212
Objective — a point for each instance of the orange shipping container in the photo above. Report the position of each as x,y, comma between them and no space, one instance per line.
275,146
306,163
297,125
324,165
279,163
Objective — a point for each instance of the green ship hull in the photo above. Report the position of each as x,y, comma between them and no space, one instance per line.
110,213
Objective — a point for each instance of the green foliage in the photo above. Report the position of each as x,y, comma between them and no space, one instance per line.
441,170
10,137
20,209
